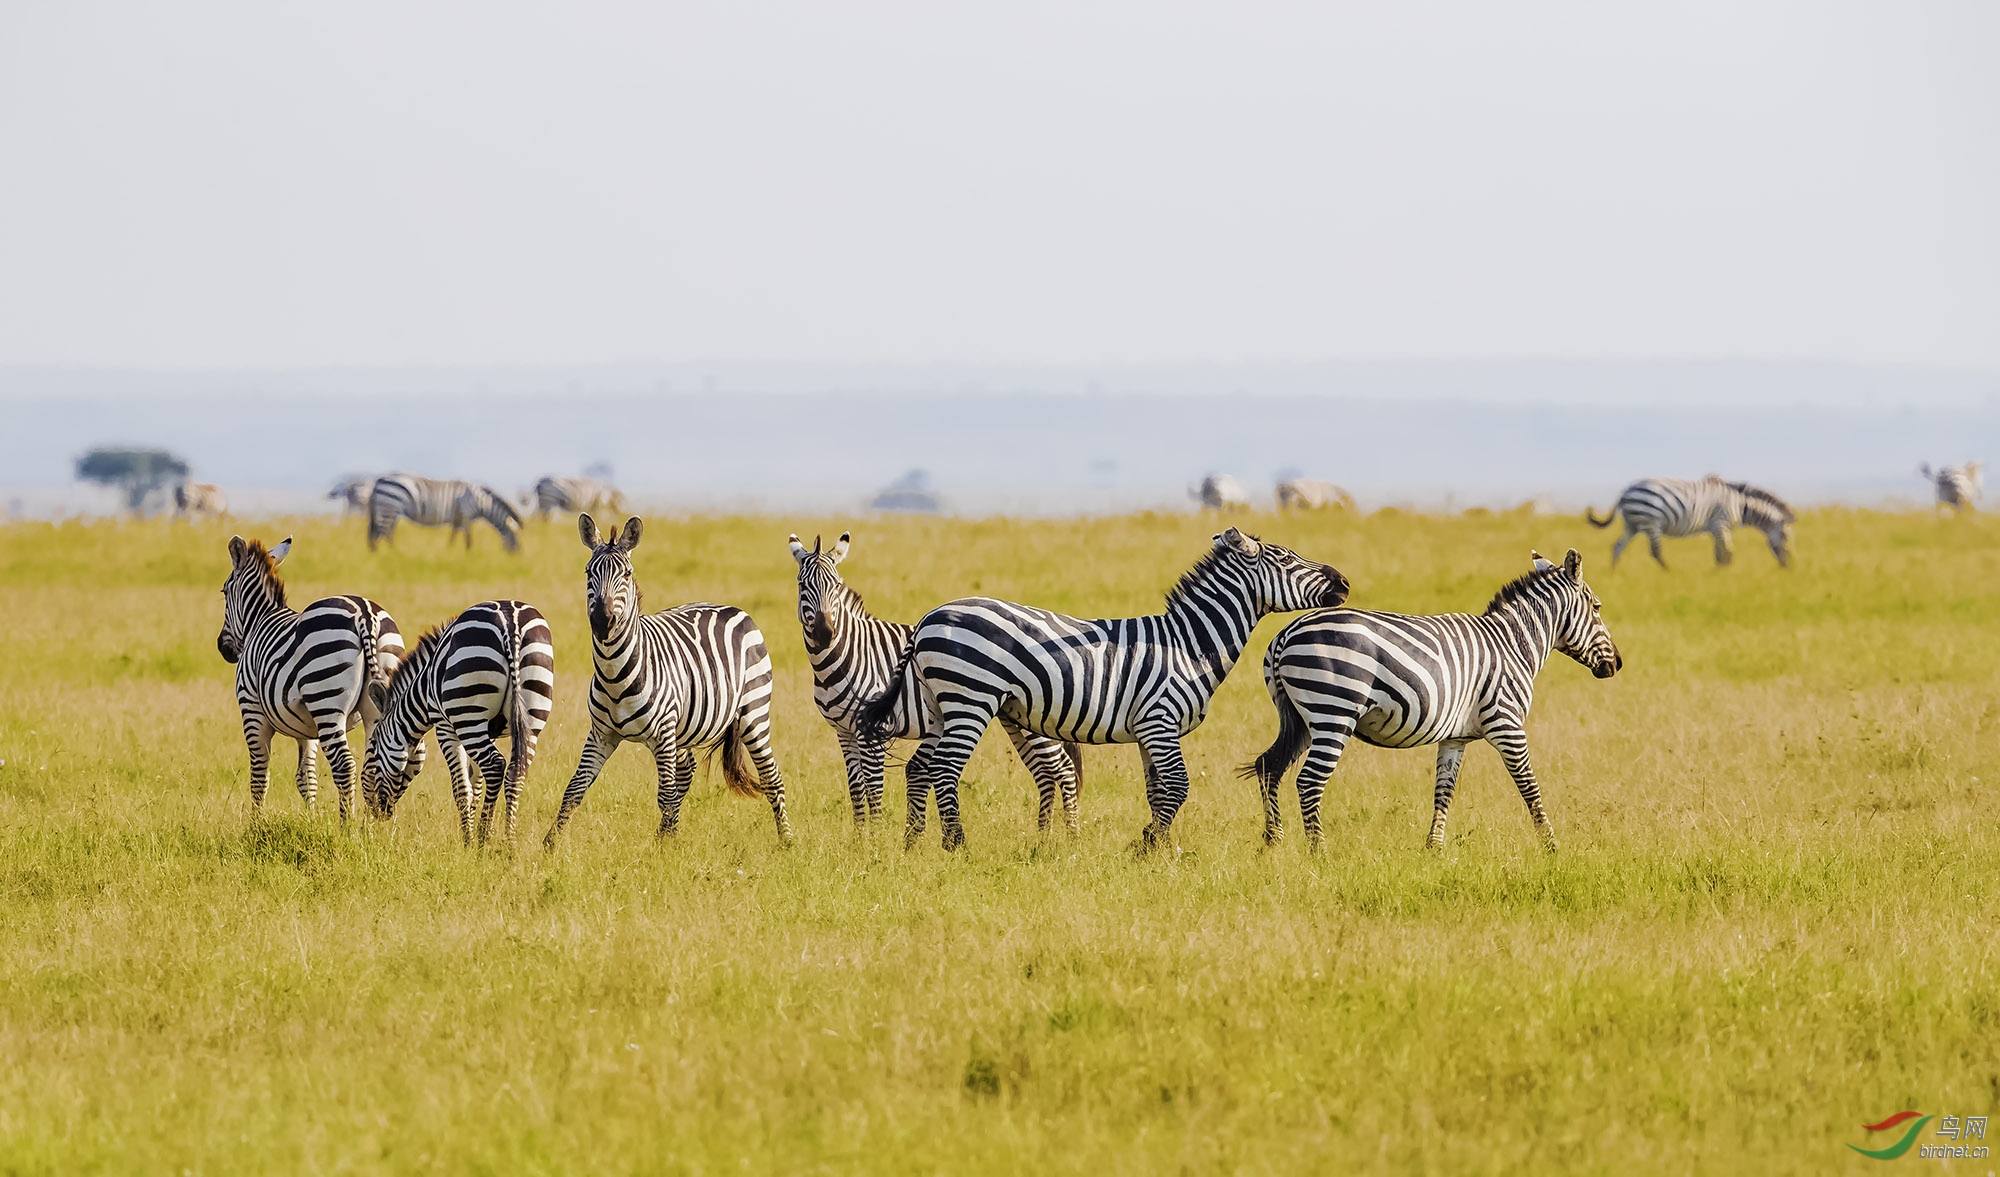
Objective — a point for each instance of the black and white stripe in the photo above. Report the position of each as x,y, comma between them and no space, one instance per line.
489,671
570,496
1675,507
1143,680
1399,681
300,674
679,681
853,655
1956,486
439,502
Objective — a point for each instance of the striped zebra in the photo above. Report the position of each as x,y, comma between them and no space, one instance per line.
1678,507
853,654
300,674
439,502
1310,494
1220,492
1956,486
200,498
1143,680
490,670
352,495
575,495
689,678
1402,682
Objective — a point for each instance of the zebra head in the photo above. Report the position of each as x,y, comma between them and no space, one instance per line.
251,591
395,752
822,592
1578,616
610,589
1771,515
1276,579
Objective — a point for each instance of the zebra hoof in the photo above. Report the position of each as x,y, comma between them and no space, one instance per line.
1273,835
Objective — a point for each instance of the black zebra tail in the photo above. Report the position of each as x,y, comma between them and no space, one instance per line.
1591,516
737,772
877,716
1293,737
522,754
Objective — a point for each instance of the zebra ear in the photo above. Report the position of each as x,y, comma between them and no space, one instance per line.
279,553
799,552
236,548
586,527
1237,542
840,547
1541,562
377,696
630,539
1572,563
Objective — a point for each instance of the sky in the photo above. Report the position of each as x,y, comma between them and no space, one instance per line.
282,185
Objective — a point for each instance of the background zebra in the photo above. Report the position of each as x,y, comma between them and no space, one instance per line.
439,502
688,678
853,654
491,669
1678,507
352,495
1220,492
1401,682
570,496
1312,494
1956,486
200,498
300,674
1143,680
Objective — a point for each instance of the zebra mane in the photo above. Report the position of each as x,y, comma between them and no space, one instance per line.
267,572
1520,587
1770,504
1196,575
419,654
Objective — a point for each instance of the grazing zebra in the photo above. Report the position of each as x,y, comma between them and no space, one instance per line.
684,679
1401,682
1956,486
574,495
439,502
1312,494
200,498
1220,492
1678,507
853,653
352,494
488,671
301,674
1143,680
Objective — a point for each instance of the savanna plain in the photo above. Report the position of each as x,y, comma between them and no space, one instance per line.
1772,919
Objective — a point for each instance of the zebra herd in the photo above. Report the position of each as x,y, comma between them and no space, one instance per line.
456,504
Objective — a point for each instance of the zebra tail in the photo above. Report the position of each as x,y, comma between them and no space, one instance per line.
736,770
371,658
517,717
1075,751
873,721
1293,737
1591,515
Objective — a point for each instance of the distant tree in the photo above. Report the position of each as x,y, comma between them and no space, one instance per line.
136,472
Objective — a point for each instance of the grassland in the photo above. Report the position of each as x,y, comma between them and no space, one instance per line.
1772,920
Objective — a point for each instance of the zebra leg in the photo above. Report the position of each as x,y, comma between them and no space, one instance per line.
1166,782
1653,542
753,728
917,789
1724,551
1450,754
667,756
340,758
308,777
1048,762
1618,549
854,755
492,768
596,750
956,742
1329,740
1512,744
257,736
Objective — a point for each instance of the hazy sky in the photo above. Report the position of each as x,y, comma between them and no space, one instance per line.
265,184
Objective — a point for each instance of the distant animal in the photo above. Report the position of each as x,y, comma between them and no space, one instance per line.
1220,492
1312,494
1677,507
1957,486
853,653
1399,681
489,671
200,498
439,502
353,495
569,496
304,673
678,681
1143,680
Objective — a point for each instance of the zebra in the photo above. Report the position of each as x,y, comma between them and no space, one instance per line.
487,671
200,498
1399,681
301,674
439,502
1956,486
684,679
1143,680
569,495
1220,492
1312,494
853,653
352,494
1678,507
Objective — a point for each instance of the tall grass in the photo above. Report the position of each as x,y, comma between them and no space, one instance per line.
1772,919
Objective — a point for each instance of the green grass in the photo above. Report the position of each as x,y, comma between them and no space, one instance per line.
1772,920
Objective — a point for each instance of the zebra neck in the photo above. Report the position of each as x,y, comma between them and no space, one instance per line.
614,654
412,708
1528,628
1212,627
